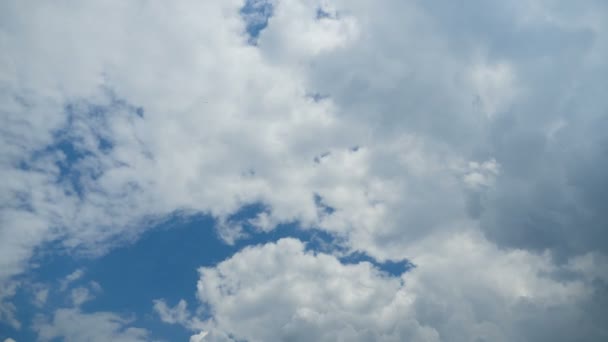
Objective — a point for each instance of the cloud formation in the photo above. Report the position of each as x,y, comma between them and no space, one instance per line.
463,289
469,139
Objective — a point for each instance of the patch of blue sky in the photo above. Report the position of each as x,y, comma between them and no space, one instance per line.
162,264
325,209
390,267
47,269
256,14
323,14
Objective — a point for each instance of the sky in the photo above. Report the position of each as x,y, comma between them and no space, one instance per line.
303,170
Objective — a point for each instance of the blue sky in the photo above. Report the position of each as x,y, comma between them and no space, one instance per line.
274,170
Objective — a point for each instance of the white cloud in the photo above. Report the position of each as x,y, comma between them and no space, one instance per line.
80,295
278,292
198,337
72,325
250,135
70,278
294,33
176,315
435,97
9,340
463,288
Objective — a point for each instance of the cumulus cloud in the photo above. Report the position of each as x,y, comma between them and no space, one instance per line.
419,124
463,289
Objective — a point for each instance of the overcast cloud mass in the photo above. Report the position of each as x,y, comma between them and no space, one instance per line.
465,141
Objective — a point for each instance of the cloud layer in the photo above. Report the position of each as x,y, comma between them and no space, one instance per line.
470,140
